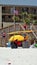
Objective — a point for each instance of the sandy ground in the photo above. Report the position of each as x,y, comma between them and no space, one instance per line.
18,56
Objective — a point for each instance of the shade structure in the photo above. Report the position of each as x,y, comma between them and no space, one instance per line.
16,37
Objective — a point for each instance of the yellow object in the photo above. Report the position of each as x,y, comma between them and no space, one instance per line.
18,32
17,37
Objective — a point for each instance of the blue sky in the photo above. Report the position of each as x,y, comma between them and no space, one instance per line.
19,2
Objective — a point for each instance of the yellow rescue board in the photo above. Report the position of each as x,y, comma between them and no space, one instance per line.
17,32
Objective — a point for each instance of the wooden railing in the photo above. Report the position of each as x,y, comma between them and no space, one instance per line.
9,29
12,28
